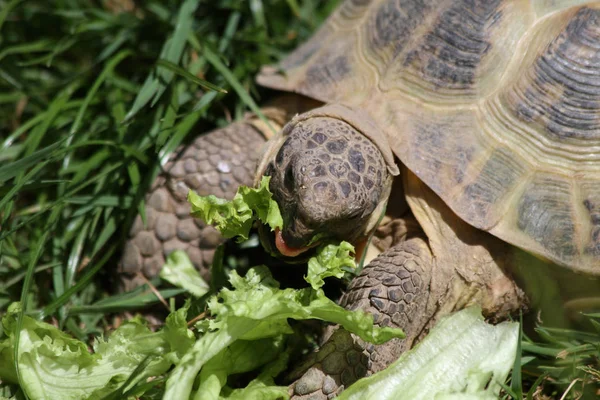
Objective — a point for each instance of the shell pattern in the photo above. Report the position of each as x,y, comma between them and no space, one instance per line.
494,104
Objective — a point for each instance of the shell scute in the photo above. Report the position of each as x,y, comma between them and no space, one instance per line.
502,171
392,24
590,199
450,53
545,213
562,89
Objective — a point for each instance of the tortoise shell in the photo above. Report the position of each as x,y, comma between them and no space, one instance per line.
494,104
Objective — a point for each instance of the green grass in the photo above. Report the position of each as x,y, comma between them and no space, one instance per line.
92,100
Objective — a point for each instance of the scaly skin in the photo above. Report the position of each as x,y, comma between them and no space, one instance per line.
394,289
217,163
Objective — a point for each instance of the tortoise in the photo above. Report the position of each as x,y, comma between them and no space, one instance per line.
463,136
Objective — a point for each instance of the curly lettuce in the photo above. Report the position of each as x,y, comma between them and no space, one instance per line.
235,218
53,365
255,309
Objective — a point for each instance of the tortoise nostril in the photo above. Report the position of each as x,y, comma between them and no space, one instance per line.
296,234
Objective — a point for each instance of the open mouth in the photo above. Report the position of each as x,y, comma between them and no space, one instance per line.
286,250
274,243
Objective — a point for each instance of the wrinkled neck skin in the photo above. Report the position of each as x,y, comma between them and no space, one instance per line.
470,266
475,267
362,230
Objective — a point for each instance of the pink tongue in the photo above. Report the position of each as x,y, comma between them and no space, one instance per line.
284,248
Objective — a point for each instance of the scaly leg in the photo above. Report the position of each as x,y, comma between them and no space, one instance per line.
215,163
409,287
394,287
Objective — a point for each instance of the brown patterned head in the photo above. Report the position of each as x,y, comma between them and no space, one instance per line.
330,180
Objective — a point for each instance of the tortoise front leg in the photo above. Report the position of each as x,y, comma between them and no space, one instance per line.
215,163
408,287
394,287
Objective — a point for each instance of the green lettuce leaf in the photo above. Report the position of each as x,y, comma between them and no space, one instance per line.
257,308
258,390
176,333
53,365
263,387
242,356
180,271
235,217
330,260
461,358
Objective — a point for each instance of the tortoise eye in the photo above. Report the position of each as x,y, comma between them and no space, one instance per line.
288,179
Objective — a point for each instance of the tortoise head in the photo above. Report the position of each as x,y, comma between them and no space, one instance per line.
331,174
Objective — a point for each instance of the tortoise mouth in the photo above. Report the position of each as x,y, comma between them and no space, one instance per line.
287,250
274,243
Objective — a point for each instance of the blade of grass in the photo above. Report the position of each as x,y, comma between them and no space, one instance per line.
33,122
108,69
516,382
19,166
74,259
6,10
117,111
34,139
81,170
535,385
192,78
18,277
25,48
257,8
60,47
36,253
102,201
155,83
541,350
293,4
134,174
182,129
114,45
230,29
183,28
204,101
166,124
110,226
509,391
235,84
81,283
142,300
4,202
